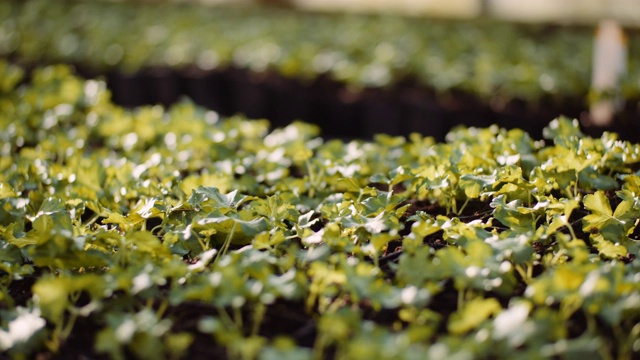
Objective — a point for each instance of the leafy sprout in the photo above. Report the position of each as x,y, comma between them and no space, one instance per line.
155,230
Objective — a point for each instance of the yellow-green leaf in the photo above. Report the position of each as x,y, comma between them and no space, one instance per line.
473,314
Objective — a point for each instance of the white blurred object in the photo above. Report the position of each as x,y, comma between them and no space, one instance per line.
445,8
566,11
530,10
609,66
559,11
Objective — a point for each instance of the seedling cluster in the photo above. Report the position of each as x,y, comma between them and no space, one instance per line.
167,233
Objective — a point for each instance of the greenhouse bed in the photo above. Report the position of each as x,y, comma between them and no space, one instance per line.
343,112
341,71
153,233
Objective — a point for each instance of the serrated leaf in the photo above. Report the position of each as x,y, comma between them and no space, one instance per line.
608,248
600,208
603,219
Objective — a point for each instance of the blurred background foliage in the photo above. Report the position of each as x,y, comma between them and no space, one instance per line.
567,11
484,57
492,54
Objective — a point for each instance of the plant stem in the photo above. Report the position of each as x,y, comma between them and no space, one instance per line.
162,308
311,179
227,243
226,319
93,219
318,348
623,344
66,331
571,231
463,206
525,274
258,315
460,299
237,318
454,205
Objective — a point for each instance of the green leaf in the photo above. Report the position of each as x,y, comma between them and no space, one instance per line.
52,294
400,174
516,249
210,198
383,201
563,131
373,225
217,223
589,178
10,253
10,76
409,262
304,220
350,184
285,348
474,313
474,185
603,220
140,333
513,214
6,191
146,242
608,248
120,220
600,209
510,324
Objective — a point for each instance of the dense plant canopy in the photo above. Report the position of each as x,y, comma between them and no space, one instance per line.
153,233
488,59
